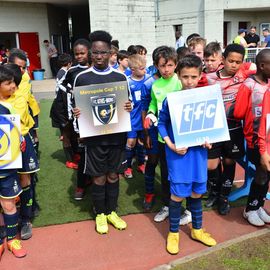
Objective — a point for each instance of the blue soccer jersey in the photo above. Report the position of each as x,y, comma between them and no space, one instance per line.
146,92
136,113
188,168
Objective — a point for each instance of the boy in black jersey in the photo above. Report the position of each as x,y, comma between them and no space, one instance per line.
105,155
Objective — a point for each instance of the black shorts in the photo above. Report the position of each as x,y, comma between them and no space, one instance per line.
233,149
104,159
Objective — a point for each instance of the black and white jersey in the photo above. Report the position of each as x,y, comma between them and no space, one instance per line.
95,76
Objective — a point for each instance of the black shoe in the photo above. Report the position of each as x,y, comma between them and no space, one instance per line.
223,206
26,231
211,200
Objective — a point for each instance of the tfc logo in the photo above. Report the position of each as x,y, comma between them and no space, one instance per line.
198,116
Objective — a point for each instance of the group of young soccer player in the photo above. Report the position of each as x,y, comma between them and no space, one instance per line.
186,173
18,184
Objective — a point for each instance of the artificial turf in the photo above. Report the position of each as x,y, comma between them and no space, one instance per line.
56,183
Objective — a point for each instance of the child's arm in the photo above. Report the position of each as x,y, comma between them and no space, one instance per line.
262,138
242,102
163,122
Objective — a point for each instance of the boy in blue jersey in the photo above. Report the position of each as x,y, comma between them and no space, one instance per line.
122,60
187,167
9,181
137,64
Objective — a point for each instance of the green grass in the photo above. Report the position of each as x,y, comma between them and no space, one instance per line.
251,254
57,183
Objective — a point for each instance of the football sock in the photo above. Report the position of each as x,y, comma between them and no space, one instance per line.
254,196
33,189
227,179
68,153
195,206
140,153
26,204
98,197
112,193
149,177
81,177
174,215
129,154
11,222
214,180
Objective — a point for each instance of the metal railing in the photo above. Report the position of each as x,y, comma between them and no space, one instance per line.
252,52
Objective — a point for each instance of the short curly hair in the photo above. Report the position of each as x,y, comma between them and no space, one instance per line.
100,36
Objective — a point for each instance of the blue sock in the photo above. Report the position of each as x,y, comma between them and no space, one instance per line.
195,207
11,222
174,215
140,153
129,154
149,177
26,204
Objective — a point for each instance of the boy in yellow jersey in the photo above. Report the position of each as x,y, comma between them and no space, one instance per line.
9,182
29,158
19,58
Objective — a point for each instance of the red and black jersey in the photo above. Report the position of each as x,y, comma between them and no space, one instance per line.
229,87
248,106
264,133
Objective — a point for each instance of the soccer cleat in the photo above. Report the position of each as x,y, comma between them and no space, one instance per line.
148,202
264,216
71,165
173,243
253,218
202,236
78,194
185,218
2,249
128,173
116,221
101,224
162,214
223,206
211,200
26,231
16,248
141,168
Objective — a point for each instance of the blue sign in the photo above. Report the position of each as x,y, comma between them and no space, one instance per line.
197,116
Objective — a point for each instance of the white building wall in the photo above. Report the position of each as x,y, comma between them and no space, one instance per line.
132,22
27,17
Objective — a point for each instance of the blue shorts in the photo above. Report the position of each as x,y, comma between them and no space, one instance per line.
135,134
29,158
153,133
184,190
10,186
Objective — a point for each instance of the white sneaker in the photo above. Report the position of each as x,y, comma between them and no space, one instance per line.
253,218
264,216
185,218
162,214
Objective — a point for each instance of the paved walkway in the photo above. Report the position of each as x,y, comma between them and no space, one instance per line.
77,246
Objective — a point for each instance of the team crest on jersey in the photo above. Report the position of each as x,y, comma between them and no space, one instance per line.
104,109
236,79
9,142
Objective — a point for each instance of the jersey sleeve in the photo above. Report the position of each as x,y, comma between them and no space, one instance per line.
164,119
262,138
242,101
153,103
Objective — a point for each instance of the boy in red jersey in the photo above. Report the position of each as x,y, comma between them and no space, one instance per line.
248,106
230,77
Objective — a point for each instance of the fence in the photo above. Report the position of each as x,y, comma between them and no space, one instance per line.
252,52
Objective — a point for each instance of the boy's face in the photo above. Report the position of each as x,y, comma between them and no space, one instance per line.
232,63
212,62
189,77
100,54
166,69
7,88
113,59
138,72
198,50
81,54
21,63
124,62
